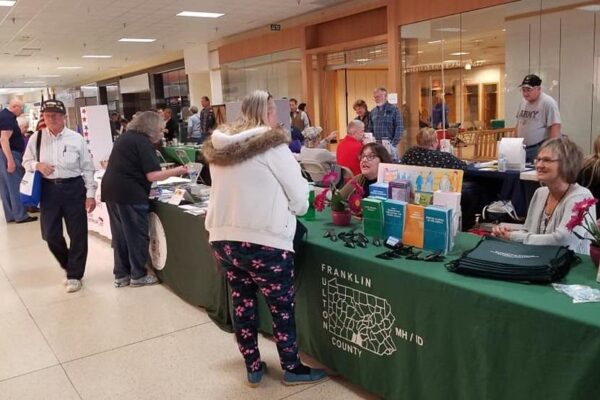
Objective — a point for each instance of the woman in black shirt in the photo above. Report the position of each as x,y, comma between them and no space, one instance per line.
132,166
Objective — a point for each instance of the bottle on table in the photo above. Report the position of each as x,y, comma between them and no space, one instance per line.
502,161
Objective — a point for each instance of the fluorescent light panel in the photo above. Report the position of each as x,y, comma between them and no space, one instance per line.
35,82
6,3
48,76
459,53
68,67
96,56
199,14
137,40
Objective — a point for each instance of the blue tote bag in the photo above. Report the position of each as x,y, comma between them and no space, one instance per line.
31,184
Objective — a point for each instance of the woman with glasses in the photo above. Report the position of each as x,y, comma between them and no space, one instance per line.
257,191
371,155
557,165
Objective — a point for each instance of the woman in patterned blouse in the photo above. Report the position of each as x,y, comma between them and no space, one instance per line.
426,154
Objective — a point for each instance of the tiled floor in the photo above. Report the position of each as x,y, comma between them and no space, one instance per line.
107,343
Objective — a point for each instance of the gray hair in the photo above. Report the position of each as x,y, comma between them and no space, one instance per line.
149,124
570,157
355,125
23,122
194,109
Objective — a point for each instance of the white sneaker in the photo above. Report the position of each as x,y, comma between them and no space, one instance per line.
73,285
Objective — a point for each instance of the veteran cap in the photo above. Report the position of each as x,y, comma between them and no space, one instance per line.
531,81
56,106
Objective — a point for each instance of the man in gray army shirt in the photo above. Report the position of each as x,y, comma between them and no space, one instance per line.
538,118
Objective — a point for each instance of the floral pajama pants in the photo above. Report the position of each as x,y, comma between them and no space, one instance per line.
250,267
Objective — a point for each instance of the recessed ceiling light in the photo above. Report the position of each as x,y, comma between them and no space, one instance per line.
137,40
434,42
459,53
376,51
35,82
592,8
450,61
198,14
68,67
362,59
6,3
96,56
48,76
420,52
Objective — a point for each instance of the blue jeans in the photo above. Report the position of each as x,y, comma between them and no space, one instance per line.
130,240
9,189
248,268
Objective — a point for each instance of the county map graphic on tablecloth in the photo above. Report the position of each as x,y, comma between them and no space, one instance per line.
360,318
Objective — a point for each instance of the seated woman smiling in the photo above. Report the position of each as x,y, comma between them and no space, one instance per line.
371,155
557,164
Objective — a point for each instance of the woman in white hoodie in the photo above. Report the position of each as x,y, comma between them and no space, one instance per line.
257,191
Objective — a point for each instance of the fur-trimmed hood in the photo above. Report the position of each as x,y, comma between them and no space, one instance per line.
226,148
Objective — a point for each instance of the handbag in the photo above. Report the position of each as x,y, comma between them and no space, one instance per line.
512,261
500,211
30,187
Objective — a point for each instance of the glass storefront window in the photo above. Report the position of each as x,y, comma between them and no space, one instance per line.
470,65
279,73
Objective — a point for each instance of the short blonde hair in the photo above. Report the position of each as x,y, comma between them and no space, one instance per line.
570,157
426,137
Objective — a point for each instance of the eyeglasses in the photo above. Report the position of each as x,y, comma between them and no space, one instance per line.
368,157
545,160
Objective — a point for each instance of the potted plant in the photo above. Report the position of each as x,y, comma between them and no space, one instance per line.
582,217
341,208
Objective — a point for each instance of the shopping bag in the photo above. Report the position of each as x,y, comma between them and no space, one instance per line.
31,188
31,184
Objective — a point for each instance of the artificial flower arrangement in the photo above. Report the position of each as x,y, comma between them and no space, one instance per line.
581,216
331,195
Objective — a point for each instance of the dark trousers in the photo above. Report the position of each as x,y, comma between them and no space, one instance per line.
65,201
130,240
531,152
250,267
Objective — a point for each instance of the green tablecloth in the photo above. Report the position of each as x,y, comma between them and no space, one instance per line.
410,329
190,269
171,156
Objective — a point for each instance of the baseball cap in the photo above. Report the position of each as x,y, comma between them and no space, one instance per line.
56,106
531,80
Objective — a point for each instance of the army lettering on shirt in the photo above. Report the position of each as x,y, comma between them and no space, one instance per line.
528,114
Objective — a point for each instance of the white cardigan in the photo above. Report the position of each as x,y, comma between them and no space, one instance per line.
256,200
557,232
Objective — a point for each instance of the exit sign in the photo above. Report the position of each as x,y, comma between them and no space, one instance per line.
275,27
